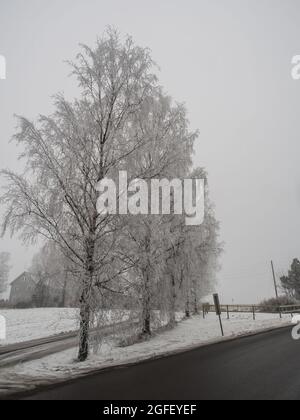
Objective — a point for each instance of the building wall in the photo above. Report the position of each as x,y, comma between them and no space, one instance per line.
22,291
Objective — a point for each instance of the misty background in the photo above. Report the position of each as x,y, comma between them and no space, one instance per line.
230,63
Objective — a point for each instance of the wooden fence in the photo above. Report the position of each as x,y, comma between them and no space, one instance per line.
253,309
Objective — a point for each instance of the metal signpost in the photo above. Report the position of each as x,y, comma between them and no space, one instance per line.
218,311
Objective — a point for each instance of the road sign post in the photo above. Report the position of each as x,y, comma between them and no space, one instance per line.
218,311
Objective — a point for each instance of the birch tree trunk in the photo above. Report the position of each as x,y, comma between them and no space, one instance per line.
173,301
196,305
64,291
187,306
85,314
85,303
146,314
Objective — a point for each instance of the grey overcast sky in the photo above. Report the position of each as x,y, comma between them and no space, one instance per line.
230,62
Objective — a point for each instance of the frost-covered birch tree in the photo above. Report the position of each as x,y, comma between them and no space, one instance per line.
167,156
70,151
121,121
192,263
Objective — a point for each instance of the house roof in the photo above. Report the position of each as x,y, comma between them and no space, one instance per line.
28,277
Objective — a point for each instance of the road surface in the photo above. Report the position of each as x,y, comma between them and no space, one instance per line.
266,366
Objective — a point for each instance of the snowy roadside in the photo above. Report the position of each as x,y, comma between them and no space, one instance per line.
188,334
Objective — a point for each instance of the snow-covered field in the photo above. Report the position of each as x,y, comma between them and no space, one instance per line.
188,334
29,324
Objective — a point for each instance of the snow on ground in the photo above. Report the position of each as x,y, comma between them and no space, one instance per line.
188,334
30,324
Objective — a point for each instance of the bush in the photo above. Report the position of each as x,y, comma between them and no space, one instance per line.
24,305
4,304
272,305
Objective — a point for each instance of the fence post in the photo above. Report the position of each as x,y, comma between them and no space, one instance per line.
253,310
228,314
203,310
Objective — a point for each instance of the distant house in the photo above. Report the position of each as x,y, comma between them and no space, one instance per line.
22,289
42,292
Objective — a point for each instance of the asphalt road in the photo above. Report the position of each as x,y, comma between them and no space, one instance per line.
262,367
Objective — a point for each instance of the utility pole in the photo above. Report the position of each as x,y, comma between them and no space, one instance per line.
274,278
276,289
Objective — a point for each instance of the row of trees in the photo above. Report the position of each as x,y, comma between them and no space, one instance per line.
121,121
291,282
290,288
